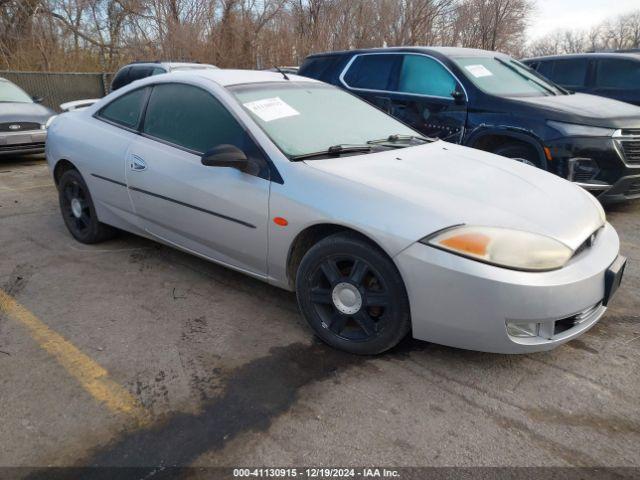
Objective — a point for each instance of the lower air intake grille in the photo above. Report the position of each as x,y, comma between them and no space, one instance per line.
631,150
634,189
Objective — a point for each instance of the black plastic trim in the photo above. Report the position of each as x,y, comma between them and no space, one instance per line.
109,180
177,202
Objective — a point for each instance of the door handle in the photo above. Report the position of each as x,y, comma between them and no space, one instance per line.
137,163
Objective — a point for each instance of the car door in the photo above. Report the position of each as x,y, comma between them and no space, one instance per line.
116,126
618,78
424,98
219,213
415,88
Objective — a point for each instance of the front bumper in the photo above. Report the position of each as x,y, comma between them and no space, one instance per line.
616,178
32,141
467,304
627,188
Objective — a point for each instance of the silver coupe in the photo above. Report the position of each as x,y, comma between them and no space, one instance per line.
380,231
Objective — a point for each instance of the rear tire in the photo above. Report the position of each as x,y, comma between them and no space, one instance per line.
522,153
78,211
352,295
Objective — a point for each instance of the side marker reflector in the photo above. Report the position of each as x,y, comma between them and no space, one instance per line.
280,221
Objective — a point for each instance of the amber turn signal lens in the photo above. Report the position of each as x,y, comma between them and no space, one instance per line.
475,243
280,221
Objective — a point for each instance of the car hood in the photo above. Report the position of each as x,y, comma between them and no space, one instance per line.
587,110
24,112
423,189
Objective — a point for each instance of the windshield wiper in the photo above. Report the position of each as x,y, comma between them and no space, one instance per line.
514,69
396,138
334,150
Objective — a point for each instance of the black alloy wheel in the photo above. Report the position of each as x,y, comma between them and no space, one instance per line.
352,295
78,211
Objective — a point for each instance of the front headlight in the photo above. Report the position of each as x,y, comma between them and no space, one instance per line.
575,130
503,247
50,121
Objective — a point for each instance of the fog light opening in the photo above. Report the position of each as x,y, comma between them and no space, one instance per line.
523,330
582,170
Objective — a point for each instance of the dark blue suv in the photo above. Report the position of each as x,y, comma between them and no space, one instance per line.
490,101
612,75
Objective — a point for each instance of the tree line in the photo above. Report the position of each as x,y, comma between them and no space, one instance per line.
618,33
100,35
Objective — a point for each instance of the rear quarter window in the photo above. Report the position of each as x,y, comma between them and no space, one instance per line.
372,72
125,110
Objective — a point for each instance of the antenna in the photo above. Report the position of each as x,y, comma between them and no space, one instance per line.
283,74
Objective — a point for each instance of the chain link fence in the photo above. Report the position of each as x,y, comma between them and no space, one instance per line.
57,88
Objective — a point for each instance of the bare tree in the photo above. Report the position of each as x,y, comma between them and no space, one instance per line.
102,34
617,33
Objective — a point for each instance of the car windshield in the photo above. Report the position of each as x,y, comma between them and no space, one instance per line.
305,118
505,77
11,93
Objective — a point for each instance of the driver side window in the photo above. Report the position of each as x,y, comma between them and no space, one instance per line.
425,76
191,118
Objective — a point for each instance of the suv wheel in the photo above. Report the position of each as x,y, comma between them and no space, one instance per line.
352,295
521,153
78,211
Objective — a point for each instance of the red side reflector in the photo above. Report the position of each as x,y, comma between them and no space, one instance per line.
280,221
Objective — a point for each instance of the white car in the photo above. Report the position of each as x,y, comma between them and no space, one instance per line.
378,230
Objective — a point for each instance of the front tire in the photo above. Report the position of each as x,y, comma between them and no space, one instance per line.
352,295
521,153
78,211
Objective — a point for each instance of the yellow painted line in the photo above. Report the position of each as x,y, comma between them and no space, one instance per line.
93,378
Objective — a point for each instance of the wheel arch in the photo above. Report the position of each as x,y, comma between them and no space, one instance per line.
311,235
489,139
63,165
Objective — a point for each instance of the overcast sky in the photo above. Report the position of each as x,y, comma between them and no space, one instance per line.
552,15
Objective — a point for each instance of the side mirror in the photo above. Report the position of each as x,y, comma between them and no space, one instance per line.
458,96
226,156
37,99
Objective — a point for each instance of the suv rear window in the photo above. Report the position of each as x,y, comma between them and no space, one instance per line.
618,73
319,67
570,72
372,72
136,73
121,79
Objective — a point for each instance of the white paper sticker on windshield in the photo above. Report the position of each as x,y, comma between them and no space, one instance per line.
269,109
478,71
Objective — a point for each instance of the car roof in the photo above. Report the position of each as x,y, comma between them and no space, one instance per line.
173,65
228,77
444,51
169,65
633,56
